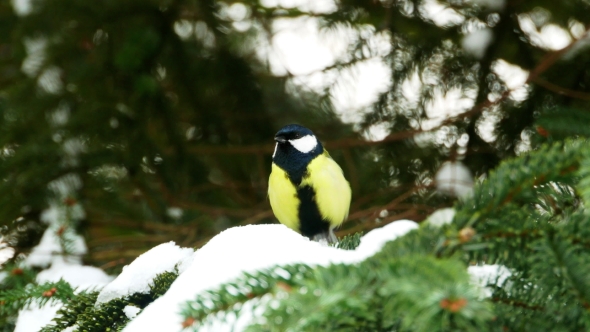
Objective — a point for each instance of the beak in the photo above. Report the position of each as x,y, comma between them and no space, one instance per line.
280,139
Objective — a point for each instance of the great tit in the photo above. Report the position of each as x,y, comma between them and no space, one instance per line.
307,190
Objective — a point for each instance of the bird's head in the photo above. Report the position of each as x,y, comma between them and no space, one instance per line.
295,145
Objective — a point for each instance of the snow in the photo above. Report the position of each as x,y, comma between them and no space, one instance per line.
454,178
446,103
83,277
312,6
50,248
174,212
483,275
22,7
131,311
248,249
71,328
49,252
6,252
33,319
137,276
225,258
377,132
477,42
441,217
549,36
35,48
514,77
440,13
374,240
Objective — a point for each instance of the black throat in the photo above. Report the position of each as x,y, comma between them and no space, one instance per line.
295,162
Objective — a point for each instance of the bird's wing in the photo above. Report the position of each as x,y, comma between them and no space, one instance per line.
332,191
283,198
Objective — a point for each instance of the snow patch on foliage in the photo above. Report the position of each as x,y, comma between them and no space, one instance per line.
33,319
6,252
484,275
476,43
50,249
137,276
373,241
51,246
82,277
249,249
441,217
131,311
71,328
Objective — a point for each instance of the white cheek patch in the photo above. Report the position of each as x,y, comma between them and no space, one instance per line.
276,147
305,144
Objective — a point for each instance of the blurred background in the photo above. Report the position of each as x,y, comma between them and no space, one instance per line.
144,121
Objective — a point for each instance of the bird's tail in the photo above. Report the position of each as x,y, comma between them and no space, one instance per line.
326,237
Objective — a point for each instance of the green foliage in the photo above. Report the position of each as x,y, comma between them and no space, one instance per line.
15,278
422,292
160,104
15,299
526,216
229,297
161,283
520,181
67,315
108,316
564,122
410,293
349,242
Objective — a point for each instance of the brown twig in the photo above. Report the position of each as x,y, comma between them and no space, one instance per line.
560,90
375,210
113,263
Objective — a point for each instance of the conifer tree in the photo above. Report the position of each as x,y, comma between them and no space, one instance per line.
158,116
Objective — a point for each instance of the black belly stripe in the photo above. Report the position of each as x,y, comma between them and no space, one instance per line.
310,219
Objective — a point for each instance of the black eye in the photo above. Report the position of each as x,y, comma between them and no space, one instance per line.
297,136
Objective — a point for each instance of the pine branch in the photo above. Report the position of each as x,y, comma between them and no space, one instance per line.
514,179
68,314
16,277
349,242
17,299
563,122
81,309
348,297
251,286
561,90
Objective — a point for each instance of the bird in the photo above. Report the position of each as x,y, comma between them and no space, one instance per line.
307,188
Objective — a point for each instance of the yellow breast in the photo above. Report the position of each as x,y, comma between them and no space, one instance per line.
332,192
331,188
283,198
